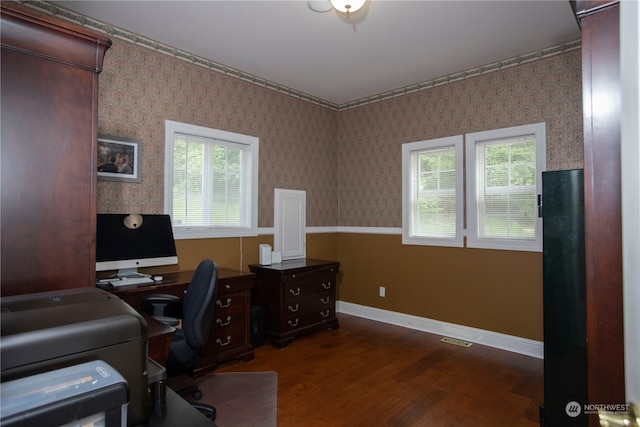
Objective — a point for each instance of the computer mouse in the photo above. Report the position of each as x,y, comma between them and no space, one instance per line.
157,278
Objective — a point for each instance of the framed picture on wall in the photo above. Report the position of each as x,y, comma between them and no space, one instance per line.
119,159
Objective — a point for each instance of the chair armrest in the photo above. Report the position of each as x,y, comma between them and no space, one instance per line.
158,304
160,298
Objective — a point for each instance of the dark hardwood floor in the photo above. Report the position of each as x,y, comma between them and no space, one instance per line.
369,373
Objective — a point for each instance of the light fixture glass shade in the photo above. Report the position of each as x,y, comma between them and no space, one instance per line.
320,6
348,6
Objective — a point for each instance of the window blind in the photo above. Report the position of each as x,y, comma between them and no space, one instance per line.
433,192
506,188
211,187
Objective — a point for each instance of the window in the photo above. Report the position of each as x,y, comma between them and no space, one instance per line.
432,192
211,182
504,176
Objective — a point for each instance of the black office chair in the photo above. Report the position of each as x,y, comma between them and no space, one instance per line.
197,309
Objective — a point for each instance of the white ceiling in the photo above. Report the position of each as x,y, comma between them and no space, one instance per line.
388,45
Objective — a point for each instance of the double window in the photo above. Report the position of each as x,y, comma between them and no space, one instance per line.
503,177
211,181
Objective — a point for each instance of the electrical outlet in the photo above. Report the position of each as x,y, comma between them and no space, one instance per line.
383,291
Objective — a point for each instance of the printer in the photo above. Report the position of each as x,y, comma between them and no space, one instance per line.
52,330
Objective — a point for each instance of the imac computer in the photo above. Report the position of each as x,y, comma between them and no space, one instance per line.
127,242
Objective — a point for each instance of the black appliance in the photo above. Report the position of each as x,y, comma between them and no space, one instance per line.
564,290
52,330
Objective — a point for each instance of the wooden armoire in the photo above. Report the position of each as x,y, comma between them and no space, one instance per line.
48,149
601,93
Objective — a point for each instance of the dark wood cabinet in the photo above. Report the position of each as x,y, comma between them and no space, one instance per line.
299,297
230,331
601,93
49,129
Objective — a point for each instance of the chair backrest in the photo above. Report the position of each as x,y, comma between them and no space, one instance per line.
198,304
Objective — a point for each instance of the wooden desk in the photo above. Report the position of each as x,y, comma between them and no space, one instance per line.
230,332
159,336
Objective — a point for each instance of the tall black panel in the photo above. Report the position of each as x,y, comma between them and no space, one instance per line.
565,344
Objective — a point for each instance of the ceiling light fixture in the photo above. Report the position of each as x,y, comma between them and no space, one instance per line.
347,6
343,6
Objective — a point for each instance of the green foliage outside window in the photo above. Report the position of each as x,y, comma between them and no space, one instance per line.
509,208
436,199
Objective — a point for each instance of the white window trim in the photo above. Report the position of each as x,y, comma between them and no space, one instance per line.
407,149
182,232
473,241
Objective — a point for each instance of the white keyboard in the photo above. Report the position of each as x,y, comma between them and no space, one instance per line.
128,281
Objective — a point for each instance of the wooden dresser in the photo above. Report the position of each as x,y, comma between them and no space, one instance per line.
299,297
230,331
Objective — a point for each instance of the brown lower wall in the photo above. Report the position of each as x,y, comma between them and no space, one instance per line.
499,291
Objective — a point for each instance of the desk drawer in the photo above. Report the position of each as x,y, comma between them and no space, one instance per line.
225,339
229,329
230,318
239,284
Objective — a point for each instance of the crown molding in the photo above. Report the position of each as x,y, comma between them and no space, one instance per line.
122,34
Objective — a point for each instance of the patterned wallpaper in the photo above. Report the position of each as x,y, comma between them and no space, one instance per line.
347,159
370,137
140,89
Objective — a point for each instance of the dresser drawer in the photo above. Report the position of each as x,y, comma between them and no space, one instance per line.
295,321
313,302
315,272
307,311
296,289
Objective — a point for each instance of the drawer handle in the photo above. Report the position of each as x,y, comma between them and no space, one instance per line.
294,309
294,324
222,323
326,285
222,305
295,293
325,314
227,286
325,302
222,344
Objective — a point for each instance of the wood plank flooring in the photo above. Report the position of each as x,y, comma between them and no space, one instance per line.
368,373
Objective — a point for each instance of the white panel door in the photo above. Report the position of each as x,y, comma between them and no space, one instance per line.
290,218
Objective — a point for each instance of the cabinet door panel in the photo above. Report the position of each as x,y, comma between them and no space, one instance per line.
49,83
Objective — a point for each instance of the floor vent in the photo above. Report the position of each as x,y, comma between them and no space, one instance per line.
456,341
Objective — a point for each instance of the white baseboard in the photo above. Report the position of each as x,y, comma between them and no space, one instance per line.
492,339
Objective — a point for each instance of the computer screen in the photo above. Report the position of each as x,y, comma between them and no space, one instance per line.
126,249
